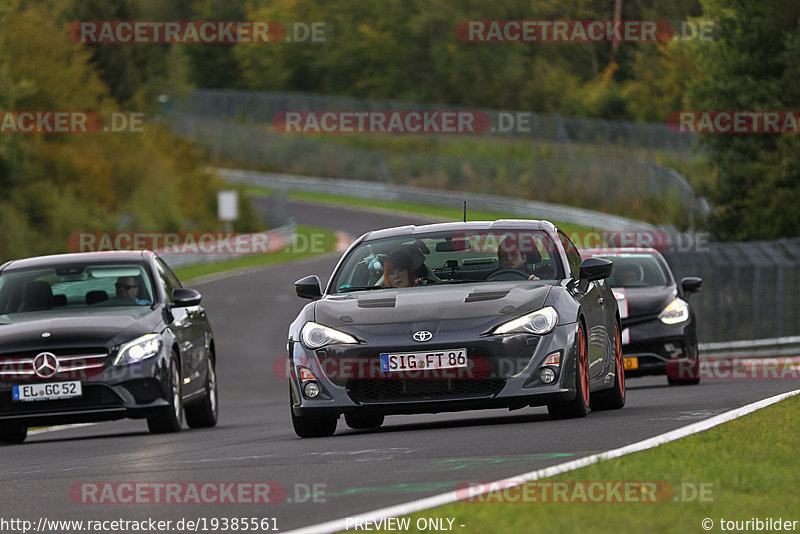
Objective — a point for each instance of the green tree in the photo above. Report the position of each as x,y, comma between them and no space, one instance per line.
751,65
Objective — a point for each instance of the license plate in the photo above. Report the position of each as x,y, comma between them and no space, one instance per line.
415,361
51,391
630,363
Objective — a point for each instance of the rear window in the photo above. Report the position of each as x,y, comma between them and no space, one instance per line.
75,286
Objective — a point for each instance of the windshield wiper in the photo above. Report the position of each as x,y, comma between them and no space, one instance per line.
346,289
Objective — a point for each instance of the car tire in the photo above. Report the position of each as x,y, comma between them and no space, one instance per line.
614,398
579,406
171,417
205,413
312,426
363,421
13,434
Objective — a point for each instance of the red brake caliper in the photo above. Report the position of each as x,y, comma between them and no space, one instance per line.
620,367
583,365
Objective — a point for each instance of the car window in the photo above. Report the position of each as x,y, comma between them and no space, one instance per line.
637,270
448,258
80,285
573,256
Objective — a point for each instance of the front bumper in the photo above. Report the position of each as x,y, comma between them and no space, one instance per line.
503,373
654,343
135,391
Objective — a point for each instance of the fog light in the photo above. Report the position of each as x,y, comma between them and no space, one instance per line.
547,375
311,389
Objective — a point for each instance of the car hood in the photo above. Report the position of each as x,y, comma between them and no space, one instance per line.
437,303
78,328
643,302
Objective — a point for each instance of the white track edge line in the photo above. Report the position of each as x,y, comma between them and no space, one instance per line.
449,497
59,427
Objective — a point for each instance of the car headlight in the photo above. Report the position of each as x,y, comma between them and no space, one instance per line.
676,312
315,335
539,322
139,349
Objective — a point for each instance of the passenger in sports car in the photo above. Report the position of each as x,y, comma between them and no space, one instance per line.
510,256
398,270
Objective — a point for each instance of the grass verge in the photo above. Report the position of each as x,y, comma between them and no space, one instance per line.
311,241
747,467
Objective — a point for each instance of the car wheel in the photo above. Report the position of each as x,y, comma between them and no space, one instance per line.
614,398
579,406
204,414
11,434
684,381
171,417
362,421
312,426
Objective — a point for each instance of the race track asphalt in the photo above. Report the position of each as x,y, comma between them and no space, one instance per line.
354,471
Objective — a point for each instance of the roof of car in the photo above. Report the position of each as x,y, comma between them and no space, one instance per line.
618,251
80,257
501,224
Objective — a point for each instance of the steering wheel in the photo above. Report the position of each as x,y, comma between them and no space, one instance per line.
506,274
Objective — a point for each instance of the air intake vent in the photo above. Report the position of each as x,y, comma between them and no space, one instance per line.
479,296
377,303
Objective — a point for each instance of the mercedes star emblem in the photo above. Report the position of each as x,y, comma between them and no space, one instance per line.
45,365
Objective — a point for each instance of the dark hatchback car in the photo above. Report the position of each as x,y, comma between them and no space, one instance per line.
659,327
102,336
455,316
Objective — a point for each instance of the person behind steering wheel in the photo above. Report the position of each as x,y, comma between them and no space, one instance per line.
510,256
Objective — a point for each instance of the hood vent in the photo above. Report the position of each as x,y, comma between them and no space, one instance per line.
480,296
388,302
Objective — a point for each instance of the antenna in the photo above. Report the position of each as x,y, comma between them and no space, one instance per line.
465,211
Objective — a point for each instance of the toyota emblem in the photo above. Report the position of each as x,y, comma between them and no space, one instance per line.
422,335
45,365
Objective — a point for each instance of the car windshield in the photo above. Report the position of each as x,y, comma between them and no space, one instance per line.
637,270
74,286
450,258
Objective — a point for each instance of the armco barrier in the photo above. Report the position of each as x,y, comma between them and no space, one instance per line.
419,195
779,347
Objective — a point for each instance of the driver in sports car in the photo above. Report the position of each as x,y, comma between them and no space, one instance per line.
510,256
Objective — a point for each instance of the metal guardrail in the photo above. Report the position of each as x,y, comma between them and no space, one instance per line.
287,233
419,195
779,347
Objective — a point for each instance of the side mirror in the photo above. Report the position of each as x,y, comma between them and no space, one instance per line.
308,287
183,297
595,269
691,284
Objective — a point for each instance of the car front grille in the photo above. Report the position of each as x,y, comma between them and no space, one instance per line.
94,396
76,364
421,389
